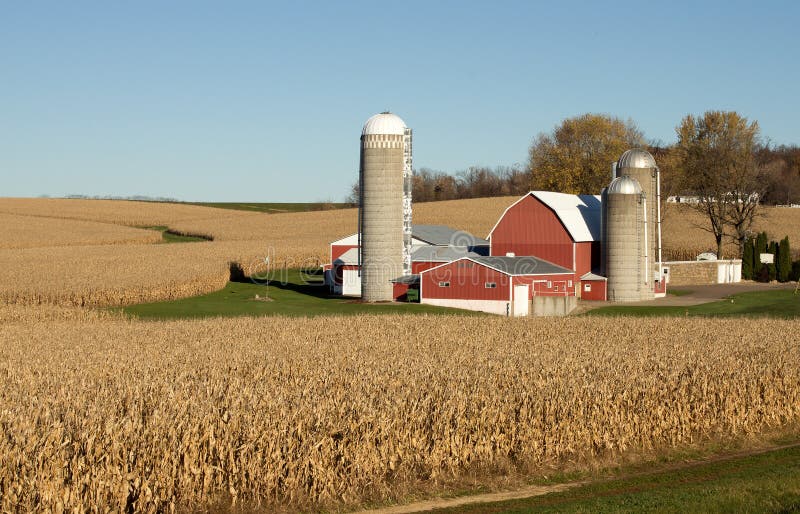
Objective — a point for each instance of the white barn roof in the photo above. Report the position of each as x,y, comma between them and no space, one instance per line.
350,257
580,214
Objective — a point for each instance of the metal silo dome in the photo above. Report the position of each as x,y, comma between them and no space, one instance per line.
384,123
624,185
636,158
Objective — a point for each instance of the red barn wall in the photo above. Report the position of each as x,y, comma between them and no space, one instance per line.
467,282
587,257
598,291
419,267
559,284
530,228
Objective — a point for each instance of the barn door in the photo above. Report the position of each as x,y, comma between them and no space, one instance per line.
521,300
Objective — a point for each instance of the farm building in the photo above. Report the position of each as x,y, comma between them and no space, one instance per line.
431,245
547,249
558,228
500,285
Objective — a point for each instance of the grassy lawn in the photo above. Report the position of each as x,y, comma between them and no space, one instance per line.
779,303
292,295
171,237
679,292
274,207
768,482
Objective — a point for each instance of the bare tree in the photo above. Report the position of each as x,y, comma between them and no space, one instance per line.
716,160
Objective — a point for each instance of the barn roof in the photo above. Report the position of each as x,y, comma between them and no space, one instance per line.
420,254
521,265
406,279
439,235
440,253
580,214
442,235
348,257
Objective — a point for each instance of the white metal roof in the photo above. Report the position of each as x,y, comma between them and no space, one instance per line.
384,123
348,257
624,185
636,158
580,214
351,240
440,235
592,276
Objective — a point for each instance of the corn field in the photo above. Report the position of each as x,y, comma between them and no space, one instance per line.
32,231
103,415
86,253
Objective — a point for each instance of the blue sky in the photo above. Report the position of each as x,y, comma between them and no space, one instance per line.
262,101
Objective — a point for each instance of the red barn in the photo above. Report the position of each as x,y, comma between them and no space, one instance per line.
560,228
499,285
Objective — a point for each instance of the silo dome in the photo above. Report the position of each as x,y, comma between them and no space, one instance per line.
624,185
384,123
636,158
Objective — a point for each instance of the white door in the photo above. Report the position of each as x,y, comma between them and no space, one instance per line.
521,300
351,282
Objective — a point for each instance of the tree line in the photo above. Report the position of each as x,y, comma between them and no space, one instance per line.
430,185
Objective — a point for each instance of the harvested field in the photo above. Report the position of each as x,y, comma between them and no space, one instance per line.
151,417
34,271
33,231
119,212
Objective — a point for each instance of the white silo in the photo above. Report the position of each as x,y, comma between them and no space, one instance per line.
625,259
640,165
385,205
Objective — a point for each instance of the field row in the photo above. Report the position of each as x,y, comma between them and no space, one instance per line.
157,416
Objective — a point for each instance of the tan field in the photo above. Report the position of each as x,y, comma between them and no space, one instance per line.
122,414
84,252
17,231
157,416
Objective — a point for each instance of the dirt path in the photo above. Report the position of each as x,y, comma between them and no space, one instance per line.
539,490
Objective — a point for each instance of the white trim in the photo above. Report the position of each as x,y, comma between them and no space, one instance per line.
352,240
666,263
496,269
490,306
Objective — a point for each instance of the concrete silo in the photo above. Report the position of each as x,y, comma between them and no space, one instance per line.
625,259
640,165
385,205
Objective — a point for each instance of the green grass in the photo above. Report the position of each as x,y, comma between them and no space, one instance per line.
167,236
292,295
768,482
274,207
679,292
779,303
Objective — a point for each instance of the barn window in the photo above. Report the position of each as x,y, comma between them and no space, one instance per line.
444,284
549,285
569,284
490,285
587,288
